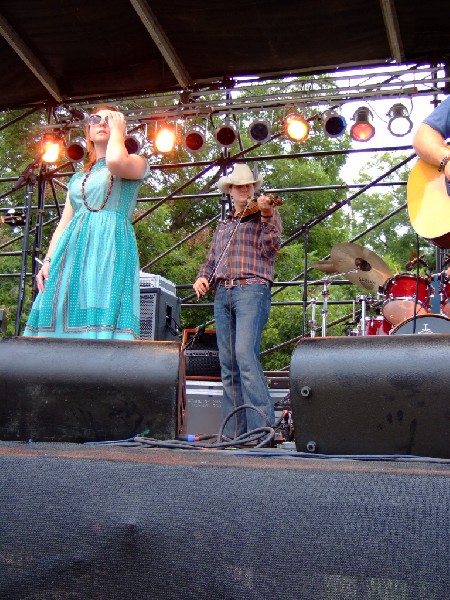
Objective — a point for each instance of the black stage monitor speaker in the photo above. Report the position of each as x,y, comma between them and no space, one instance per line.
372,395
73,390
160,314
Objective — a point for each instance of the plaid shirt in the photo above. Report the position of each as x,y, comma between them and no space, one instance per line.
252,247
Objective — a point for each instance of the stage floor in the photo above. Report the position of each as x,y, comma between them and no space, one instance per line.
90,521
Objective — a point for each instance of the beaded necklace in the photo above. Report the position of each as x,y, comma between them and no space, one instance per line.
83,183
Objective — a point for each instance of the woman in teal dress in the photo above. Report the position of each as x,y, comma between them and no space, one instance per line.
89,282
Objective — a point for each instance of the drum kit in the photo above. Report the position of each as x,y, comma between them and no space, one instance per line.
403,302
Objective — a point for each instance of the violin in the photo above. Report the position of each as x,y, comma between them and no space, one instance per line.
252,206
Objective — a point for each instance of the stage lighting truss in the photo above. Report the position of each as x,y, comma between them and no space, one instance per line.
362,130
51,147
260,131
194,138
334,124
226,134
296,127
400,124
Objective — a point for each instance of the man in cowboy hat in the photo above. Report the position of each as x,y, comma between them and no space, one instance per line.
240,264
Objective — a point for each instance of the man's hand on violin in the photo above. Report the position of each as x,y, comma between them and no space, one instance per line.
201,286
265,203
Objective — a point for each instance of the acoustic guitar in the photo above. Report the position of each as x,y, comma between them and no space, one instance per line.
428,201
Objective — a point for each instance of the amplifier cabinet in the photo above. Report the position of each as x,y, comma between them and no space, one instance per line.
202,354
160,314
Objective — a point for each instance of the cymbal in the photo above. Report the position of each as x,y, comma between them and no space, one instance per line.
360,265
324,265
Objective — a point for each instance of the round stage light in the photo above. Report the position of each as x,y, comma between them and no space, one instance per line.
260,131
400,124
226,134
194,139
51,149
334,124
362,130
76,149
134,142
296,128
165,140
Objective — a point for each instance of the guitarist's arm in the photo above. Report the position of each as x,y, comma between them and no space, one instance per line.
431,146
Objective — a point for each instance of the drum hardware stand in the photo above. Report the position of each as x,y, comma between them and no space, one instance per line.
438,283
325,293
362,322
313,322
437,296
324,311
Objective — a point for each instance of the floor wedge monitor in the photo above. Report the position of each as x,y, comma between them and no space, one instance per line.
60,390
372,395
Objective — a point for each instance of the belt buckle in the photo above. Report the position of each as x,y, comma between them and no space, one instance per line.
229,283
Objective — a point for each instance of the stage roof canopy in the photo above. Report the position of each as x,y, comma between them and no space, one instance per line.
84,50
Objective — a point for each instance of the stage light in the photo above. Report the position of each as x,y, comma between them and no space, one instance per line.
51,148
134,142
165,139
76,149
362,130
296,128
67,114
333,123
260,131
226,134
194,139
400,124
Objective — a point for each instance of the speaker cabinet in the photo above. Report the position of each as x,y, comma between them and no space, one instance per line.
72,390
372,395
160,314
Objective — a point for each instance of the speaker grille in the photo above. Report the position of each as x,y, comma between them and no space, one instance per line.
148,313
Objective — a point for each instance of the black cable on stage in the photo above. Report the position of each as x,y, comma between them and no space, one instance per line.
261,435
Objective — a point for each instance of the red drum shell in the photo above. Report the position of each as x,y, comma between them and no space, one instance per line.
377,326
400,292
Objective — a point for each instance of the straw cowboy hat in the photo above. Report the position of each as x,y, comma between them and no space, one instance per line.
241,175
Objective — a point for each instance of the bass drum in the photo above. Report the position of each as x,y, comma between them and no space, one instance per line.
424,324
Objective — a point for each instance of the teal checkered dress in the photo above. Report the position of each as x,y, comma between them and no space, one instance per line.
93,285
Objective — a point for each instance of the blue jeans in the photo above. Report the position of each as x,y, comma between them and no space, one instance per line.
241,313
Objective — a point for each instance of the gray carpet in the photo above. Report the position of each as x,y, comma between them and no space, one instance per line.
95,522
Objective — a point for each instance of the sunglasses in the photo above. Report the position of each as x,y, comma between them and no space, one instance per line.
97,119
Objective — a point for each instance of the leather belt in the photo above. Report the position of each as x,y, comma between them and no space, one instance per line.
237,282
